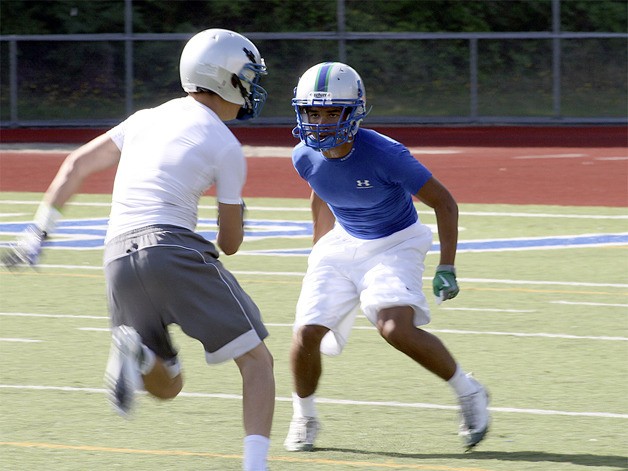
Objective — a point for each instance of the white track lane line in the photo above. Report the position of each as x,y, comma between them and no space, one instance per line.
323,400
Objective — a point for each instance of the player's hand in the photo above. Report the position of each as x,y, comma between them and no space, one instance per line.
444,284
26,250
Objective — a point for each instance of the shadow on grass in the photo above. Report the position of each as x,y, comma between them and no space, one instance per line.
619,462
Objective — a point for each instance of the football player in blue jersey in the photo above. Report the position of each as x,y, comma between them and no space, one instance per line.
369,248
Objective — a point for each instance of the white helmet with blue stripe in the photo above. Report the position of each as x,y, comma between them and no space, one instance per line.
331,84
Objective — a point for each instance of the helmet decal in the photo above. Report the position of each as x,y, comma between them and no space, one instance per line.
250,55
322,79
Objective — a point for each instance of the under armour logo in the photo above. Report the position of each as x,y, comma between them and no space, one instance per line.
363,184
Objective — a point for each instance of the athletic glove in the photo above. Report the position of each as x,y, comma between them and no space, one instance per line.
444,284
27,248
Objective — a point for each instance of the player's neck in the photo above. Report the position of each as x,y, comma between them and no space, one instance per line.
339,152
225,110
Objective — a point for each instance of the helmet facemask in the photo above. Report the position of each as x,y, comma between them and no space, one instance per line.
254,95
329,135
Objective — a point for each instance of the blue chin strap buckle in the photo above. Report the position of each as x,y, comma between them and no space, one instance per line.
326,143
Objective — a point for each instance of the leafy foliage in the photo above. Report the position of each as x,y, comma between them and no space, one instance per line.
86,80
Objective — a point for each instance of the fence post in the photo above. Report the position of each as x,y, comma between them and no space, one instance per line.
128,55
13,82
341,27
556,58
473,78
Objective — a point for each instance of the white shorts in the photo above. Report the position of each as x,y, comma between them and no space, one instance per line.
346,274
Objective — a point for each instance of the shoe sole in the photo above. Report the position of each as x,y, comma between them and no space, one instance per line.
480,435
306,447
477,438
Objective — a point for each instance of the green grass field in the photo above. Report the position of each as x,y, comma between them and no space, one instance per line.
546,329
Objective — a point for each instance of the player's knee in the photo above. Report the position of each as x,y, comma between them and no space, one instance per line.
388,329
394,324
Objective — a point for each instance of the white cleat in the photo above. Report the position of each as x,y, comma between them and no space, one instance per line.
474,416
122,376
302,433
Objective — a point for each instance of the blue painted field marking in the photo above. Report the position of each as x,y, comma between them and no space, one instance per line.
496,245
85,234
81,234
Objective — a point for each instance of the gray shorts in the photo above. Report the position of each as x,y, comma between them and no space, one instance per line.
162,275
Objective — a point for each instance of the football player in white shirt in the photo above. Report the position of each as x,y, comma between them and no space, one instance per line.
158,270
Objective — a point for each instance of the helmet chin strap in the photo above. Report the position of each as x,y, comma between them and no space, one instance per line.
326,143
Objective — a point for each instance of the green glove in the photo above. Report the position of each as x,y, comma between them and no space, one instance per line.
444,284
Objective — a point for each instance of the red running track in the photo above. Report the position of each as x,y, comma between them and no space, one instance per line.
549,166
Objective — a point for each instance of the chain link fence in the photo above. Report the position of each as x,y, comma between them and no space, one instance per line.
551,77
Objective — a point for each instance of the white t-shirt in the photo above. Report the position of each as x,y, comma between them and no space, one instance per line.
171,155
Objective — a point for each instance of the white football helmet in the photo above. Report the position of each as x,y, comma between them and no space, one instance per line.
228,64
329,84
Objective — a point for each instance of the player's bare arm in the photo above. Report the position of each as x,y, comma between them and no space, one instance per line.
97,155
322,218
230,231
437,197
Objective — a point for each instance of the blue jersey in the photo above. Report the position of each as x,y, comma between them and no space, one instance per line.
369,190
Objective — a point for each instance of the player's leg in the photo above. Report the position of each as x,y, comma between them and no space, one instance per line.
133,366
164,380
308,341
325,313
305,358
258,385
212,307
396,326
141,353
393,300
258,404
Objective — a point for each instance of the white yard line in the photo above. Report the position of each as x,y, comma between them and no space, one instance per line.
550,156
572,303
323,400
482,309
466,280
287,325
449,331
54,316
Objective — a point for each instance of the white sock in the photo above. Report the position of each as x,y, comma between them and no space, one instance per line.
255,452
461,383
303,406
148,360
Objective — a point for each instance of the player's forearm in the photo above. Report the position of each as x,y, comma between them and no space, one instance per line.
447,223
